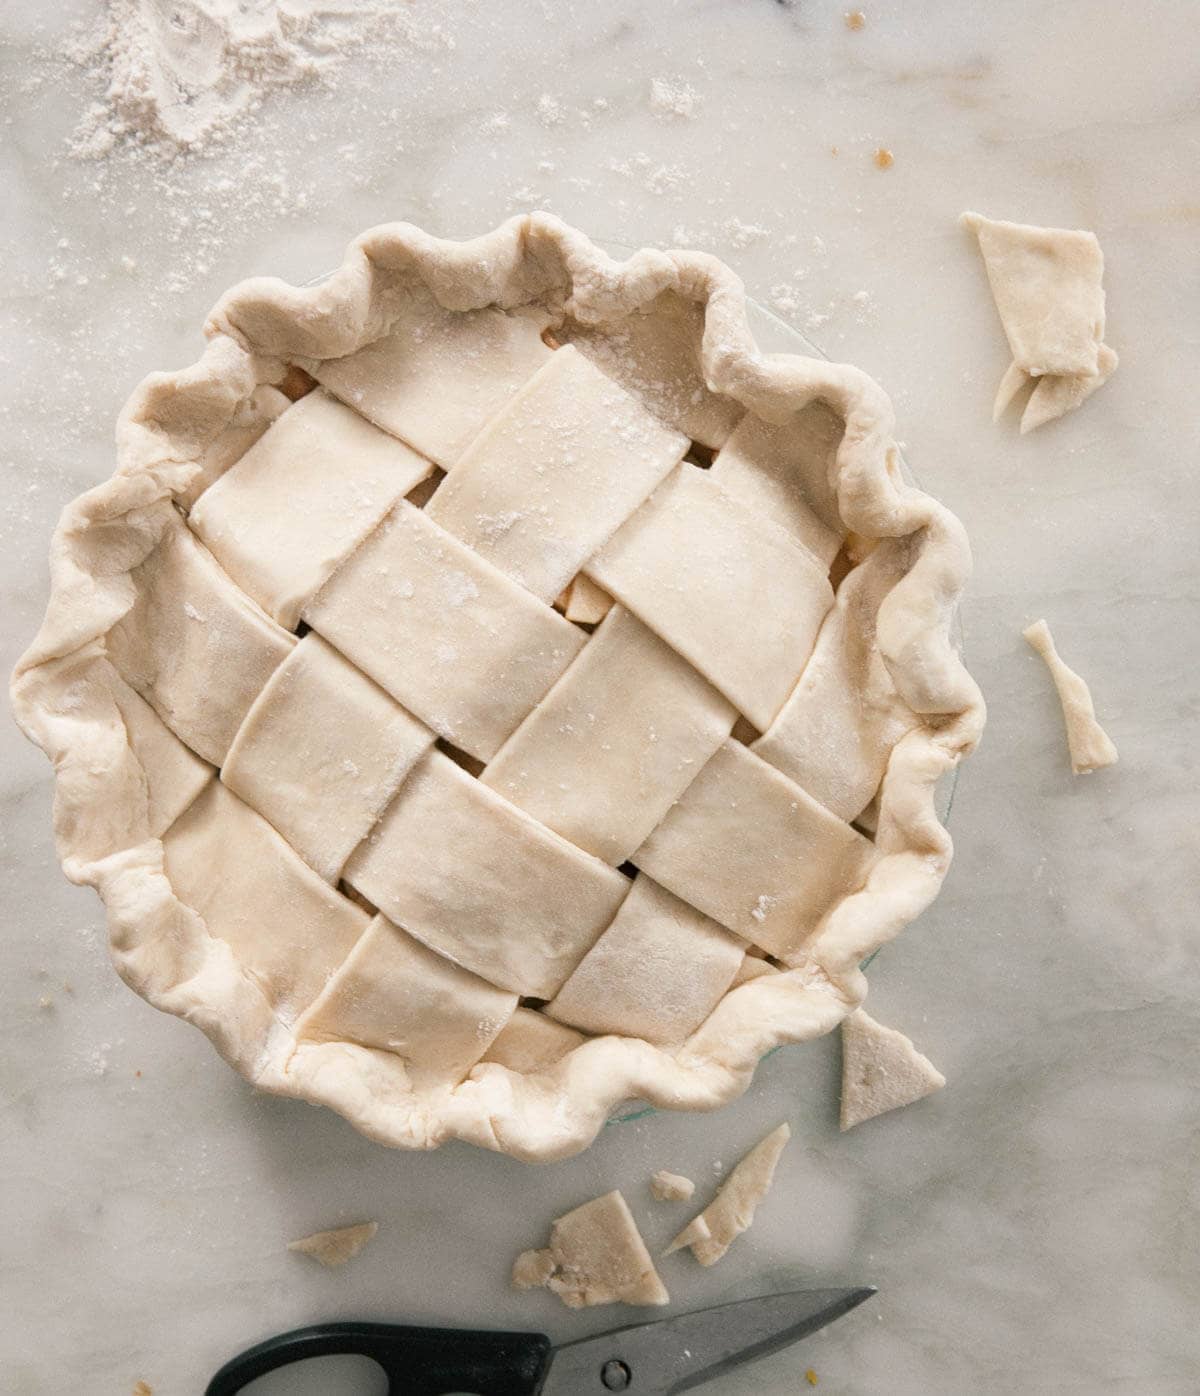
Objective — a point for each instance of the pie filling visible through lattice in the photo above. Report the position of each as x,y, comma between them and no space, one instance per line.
538,707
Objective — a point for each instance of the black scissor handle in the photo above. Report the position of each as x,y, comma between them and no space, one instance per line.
418,1361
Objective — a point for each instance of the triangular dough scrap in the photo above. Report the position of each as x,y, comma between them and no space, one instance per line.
332,1248
1046,283
596,1255
732,1210
1090,746
881,1070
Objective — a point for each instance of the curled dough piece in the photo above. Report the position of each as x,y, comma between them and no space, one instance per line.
333,1248
1046,283
1090,745
732,1210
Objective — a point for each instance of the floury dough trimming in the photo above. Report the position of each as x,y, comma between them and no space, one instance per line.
180,74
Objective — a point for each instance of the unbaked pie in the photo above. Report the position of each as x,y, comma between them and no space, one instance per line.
537,705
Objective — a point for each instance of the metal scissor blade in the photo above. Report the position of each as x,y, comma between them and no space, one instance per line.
677,1354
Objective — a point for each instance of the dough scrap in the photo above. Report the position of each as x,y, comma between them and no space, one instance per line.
586,603
1090,745
333,1248
881,1070
1046,283
671,1187
732,1210
596,1256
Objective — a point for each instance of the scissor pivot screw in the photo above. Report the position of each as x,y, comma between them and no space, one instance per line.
615,1375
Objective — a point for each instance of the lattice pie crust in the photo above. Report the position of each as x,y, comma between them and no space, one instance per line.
368,808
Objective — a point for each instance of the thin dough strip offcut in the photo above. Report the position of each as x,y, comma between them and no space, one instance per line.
732,1210
1090,745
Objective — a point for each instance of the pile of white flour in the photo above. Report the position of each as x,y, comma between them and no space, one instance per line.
180,74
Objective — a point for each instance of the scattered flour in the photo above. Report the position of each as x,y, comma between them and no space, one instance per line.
550,110
673,101
180,76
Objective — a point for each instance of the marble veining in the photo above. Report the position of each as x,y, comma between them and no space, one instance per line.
1032,1227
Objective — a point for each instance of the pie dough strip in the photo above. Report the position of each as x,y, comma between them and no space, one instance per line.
479,881
394,994
1046,283
1090,746
287,929
553,476
601,762
454,641
321,753
751,849
437,375
337,473
253,417
529,1042
775,472
835,733
734,595
656,972
193,645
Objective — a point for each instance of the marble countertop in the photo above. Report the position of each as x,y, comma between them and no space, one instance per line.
1034,1226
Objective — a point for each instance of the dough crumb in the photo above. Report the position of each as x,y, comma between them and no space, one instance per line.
855,20
671,1187
732,1210
884,159
596,1255
1089,744
881,1070
142,1388
1046,283
332,1248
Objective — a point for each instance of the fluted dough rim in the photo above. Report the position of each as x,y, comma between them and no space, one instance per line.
162,948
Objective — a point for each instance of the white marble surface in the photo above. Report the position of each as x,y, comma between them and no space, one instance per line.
1033,1227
